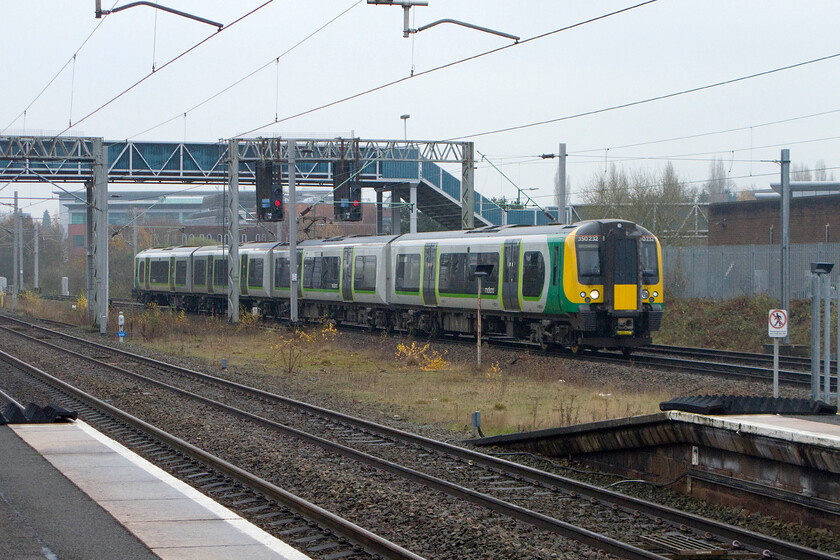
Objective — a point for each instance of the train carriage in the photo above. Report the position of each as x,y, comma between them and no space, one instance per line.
592,284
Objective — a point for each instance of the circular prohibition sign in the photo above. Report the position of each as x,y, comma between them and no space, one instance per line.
778,319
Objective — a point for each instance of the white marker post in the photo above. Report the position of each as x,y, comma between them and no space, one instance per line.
777,327
121,324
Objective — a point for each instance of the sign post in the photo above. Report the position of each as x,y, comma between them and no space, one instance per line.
777,327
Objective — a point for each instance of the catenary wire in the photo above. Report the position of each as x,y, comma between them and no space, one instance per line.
444,66
172,60
57,74
275,60
702,134
647,100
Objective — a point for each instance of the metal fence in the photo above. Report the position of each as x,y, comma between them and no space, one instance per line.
728,271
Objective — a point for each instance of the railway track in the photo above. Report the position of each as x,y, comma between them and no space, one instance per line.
704,361
315,531
792,362
638,529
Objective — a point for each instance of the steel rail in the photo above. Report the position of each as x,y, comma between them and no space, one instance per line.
628,503
370,542
544,522
752,357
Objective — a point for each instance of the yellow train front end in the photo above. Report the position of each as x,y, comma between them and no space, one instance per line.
612,283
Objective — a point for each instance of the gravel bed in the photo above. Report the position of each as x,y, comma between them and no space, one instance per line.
429,523
617,377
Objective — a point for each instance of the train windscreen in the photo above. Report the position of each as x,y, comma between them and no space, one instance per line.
650,262
589,262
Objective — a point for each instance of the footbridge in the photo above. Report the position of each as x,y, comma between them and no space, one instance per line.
410,170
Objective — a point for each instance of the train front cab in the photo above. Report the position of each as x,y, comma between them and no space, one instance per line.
616,283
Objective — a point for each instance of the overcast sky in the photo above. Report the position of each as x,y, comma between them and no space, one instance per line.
654,50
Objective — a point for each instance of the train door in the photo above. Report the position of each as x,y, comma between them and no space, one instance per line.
211,273
171,274
622,287
510,275
429,268
243,274
299,274
347,274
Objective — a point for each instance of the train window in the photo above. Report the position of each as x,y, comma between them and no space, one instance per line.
490,285
159,272
533,274
320,273
199,272
589,262
220,272
626,261
407,278
452,273
255,272
364,274
141,272
650,262
281,273
181,273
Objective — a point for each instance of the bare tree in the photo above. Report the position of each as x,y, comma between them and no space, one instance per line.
660,202
801,172
719,186
820,172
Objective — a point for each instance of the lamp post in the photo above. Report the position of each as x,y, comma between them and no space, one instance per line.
405,125
481,271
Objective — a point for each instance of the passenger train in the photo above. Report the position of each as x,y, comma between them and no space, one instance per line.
595,284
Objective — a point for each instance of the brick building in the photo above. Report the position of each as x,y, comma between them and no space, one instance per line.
813,219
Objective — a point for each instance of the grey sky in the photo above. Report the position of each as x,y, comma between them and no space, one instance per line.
658,49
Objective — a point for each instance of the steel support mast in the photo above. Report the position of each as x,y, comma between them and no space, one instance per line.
233,231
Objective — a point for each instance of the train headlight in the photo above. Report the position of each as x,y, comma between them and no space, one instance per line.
583,294
655,294
594,294
645,294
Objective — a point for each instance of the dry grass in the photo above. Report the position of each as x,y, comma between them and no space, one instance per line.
424,383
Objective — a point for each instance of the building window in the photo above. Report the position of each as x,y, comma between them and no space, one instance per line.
78,241
77,218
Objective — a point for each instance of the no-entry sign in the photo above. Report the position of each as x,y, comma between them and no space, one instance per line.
777,323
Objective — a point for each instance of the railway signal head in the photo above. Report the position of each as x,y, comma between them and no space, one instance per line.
269,192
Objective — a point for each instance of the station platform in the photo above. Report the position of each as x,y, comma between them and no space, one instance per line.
787,466
68,491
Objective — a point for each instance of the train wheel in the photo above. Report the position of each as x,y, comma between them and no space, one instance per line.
576,349
545,345
627,351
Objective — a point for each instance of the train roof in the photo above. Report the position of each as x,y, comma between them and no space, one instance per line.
512,230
